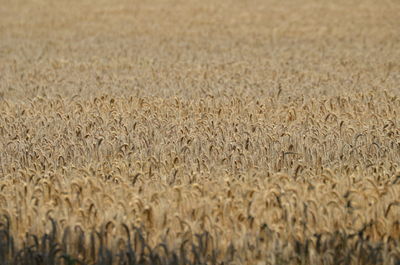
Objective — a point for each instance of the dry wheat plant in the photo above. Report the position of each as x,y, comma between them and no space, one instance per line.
199,132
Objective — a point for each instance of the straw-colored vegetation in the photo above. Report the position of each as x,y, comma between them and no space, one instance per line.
199,132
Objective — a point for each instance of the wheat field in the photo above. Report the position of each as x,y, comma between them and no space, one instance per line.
199,132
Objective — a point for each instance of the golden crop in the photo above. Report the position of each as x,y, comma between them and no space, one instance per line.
199,132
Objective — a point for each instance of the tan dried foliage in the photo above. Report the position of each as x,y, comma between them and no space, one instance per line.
261,122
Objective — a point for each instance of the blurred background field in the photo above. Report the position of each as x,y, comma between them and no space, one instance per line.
192,48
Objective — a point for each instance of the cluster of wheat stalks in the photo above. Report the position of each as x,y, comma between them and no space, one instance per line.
260,176
171,132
